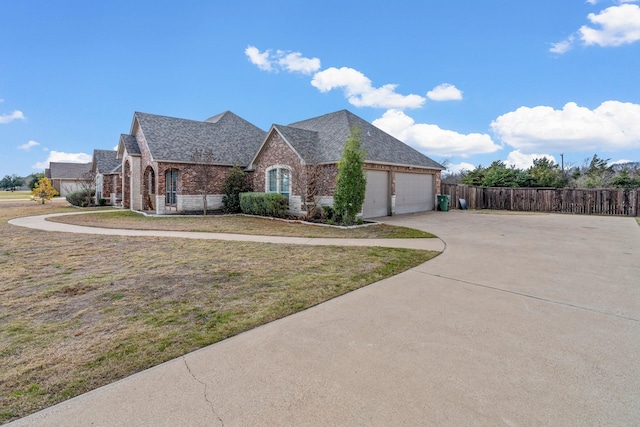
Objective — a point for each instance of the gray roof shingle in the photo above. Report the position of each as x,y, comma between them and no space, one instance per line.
61,170
332,131
130,144
105,161
232,139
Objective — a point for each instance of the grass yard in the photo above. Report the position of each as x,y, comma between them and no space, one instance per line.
237,224
14,195
81,311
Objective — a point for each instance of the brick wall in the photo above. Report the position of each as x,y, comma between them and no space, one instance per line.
277,153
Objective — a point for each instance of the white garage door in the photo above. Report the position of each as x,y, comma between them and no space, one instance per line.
376,196
414,193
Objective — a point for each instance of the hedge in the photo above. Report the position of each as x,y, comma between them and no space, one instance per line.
263,204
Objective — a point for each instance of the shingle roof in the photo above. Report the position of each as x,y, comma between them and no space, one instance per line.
305,142
130,144
105,161
334,128
60,170
232,139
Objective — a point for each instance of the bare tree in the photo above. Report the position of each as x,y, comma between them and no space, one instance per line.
204,173
311,181
87,184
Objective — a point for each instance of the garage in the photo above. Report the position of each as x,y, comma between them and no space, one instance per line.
376,197
414,193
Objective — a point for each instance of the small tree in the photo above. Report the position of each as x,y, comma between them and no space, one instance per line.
204,173
87,184
310,181
351,183
545,173
235,183
43,191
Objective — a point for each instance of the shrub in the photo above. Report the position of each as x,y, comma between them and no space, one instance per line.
102,201
235,183
81,198
263,204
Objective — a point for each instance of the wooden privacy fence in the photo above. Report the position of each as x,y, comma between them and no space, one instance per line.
603,201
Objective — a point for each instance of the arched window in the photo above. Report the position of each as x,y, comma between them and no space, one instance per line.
171,183
279,181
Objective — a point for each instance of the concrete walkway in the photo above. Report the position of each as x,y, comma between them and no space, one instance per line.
523,320
39,222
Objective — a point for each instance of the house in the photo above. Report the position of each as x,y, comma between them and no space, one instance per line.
107,170
166,162
69,177
399,178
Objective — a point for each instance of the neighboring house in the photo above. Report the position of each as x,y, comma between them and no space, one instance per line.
399,178
107,170
160,171
69,177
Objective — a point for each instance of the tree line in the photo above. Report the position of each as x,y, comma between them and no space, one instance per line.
594,173
14,182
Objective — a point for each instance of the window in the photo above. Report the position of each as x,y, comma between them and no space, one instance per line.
171,180
279,181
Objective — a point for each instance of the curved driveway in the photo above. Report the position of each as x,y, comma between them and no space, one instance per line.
523,320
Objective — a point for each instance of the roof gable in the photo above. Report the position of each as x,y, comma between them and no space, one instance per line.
105,161
129,144
333,129
61,170
232,139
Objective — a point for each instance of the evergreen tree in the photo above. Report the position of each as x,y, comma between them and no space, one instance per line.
351,183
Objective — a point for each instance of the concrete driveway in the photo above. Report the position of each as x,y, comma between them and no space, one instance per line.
523,320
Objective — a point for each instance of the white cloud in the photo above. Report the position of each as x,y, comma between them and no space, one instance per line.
618,25
613,26
8,118
261,59
357,87
458,167
445,92
433,140
59,156
525,161
28,146
621,162
563,46
611,126
360,92
292,62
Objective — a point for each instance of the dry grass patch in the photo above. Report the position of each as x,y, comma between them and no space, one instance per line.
14,195
238,224
80,311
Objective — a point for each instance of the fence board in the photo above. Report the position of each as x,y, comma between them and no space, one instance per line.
601,201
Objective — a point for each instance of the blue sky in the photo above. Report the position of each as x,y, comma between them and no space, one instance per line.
464,82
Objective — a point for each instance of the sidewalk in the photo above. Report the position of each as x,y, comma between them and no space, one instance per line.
40,223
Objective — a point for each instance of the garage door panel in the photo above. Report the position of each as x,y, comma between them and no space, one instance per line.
376,198
414,193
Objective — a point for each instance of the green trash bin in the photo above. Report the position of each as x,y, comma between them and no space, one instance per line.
443,202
